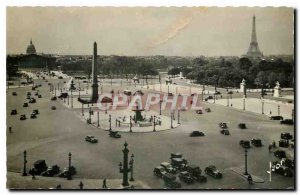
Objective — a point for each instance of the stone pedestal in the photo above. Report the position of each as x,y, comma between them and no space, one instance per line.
277,90
243,87
180,75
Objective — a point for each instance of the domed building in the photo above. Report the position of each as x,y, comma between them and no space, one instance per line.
30,49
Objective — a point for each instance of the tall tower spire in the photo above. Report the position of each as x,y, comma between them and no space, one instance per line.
253,50
94,73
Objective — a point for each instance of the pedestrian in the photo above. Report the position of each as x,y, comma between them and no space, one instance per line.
270,112
58,186
116,122
274,144
81,185
104,184
270,147
9,129
33,176
249,179
119,123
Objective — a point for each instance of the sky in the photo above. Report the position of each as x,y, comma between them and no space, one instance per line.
141,31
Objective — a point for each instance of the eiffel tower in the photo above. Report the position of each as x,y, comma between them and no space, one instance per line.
253,50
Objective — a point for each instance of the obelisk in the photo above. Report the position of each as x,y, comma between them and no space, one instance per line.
94,97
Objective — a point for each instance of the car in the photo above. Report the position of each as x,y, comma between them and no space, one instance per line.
223,125
39,96
217,93
286,136
284,143
54,98
280,154
196,134
170,94
28,93
114,134
60,77
224,131
33,115
179,164
207,110
170,181
186,177
276,118
91,139
13,112
242,125
32,100
245,143
178,155
195,172
213,171
36,94
53,108
288,163
199,112
23,117
25,105
292,143
160,171
281,169
51,171
63,95
229,92
256,142
66,172
33,88
28,97
168,167
14,93
209,98
38,167
138,92
287,122
183,108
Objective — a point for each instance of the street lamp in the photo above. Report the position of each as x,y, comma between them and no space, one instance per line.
154,123
98,119
246,173
171,121
244,103
82,113
69,172
278,110
25,162
109,122
131,168
72,101
227,101
124,169
262,106
160,102
130,124
178,116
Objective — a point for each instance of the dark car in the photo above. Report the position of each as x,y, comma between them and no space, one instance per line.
229,92
38,167
276,118
114,134
217,93
256,142
23,117
28,93
33,115
195,172
199,111
54,98
213,171
63,95
176,155
223,125
60,77
170,94
171,182
36,94
288,163
91,139
284,143
28,97
65,173
160,171
280,154
25,105
186,177
179,163
36,111
53,108
168,167
196,134
33,88
209,98
245,143
281,169
32,100
14,93
51,171
224,131
242,126
13,112
286,136
287,122
207,110
39,96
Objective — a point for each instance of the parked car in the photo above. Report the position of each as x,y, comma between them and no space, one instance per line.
199,112
213,171
168,167
65,173
38,167
281,169
36,94
25,105
179,163
186,177
229,92
286,136
178,155
224,131
53,108
51,171
13,112
14,93
171,182
28,93
39,96
91,139
114,134
54,98
33,115
32,100
36,111
28,97
207,110
276,118
245,143
209,98
170,94
288,163
196,134
242,126
256,142
160,171
284,143
217,93
63,95
280,154
23,117
287,122
195,172
223,125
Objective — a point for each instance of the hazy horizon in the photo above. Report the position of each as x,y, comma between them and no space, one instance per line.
142,31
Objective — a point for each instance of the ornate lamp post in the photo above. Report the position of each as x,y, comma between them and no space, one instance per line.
79,88
160,102
131,168
72,101
69,172
278,110
244,103
178,116
82,113
90,115
154,123
246,173
130,124
171,121
214,98
25,162
55,91
227,101
98,124
124,169
262,106
109,120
